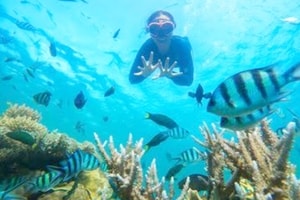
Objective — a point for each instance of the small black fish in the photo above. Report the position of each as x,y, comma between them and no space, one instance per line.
156,140
109,92
7,77
79,126
105,118
80,100
52,49
116,34
199,94
30,72
42,98
198,182
162,120
174,170
25,77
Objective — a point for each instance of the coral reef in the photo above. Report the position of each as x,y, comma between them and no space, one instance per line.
258,162
18,156
126,175
252,165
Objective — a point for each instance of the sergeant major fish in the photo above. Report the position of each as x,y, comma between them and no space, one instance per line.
246,121
42,98
178,132
249,90
188,156
75,163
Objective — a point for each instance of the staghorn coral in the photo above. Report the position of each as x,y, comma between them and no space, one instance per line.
126,175
259,158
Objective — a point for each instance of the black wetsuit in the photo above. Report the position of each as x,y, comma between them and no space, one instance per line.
180,51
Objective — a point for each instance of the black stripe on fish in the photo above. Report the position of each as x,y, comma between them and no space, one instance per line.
239,120
252,117
240,85
256,75
225,95
274,79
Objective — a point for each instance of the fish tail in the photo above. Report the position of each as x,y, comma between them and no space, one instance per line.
207,95
293,74
192,94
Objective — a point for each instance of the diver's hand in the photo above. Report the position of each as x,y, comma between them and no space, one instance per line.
148,66
166,70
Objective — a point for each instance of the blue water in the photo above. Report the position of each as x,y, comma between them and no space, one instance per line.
227,37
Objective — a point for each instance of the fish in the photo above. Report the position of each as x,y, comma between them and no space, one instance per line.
188,156
198,182
22,136
174,170
249,90
80,100
12,59
25,25
178,132
156,140
116,34
30,72
162,120
109,91
76,163
199,94
7,77
52,49
105,118
46,181
8,185
42,98
247,121
79,126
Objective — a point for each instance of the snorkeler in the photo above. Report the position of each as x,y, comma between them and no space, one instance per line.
170,53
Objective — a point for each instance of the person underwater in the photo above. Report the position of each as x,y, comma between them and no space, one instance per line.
171,54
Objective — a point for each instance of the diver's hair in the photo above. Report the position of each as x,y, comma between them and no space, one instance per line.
157,14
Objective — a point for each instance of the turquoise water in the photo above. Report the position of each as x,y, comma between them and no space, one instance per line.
227,37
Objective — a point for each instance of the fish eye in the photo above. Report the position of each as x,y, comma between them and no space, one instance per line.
212,102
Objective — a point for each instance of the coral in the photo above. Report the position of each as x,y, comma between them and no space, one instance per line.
83,187
258,162
126,175
19,127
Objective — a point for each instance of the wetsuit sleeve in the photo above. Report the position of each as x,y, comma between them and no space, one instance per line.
143,51
185,63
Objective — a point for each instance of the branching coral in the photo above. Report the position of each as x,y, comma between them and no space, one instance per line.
126,175
258,156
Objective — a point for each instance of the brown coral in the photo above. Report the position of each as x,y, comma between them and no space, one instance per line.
258,156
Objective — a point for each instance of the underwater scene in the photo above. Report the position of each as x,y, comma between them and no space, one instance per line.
149,100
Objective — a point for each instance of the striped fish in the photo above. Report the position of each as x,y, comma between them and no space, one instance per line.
189,156
249,90
42,98
76,163
178,133
46,181
8,185
242,122
25,25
